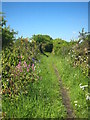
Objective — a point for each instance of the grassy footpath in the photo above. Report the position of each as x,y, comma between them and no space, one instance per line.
72,78
43,99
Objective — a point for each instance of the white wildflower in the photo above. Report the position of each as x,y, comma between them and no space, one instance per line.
83,87
88,97
87,65
72,55
75,104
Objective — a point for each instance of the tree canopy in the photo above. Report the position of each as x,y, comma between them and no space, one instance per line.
41,38
7,33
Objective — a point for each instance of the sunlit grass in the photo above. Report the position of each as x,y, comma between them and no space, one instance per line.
72,78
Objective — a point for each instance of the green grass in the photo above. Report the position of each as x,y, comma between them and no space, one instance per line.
71,78
43,99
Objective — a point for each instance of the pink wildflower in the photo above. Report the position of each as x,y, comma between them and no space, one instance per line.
21,70
25,64
19,63
27,70
29,66
32,66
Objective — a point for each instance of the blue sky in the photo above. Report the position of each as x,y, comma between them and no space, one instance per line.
57,19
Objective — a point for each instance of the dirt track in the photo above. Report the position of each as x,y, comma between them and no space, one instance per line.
65,96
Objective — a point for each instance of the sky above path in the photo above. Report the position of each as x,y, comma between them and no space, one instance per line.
57,19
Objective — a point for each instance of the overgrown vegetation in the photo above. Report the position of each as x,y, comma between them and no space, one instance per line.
30,87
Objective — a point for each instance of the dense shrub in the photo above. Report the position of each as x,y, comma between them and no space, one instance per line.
18,68
80,55
45,41
61,47
48,47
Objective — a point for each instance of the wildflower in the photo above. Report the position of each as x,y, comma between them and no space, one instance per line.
29,66
81,59
87,97
33,59
0,76
72,55
75,104
21,70
25,64
21,56
19,63
27,69
33,66
83,87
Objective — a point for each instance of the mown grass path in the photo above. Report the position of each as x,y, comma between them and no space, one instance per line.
67,80
62,90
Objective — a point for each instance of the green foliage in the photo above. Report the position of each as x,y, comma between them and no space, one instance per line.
32,90
61,47
7,34
18,68
45,40
41,38
48,47
83,35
